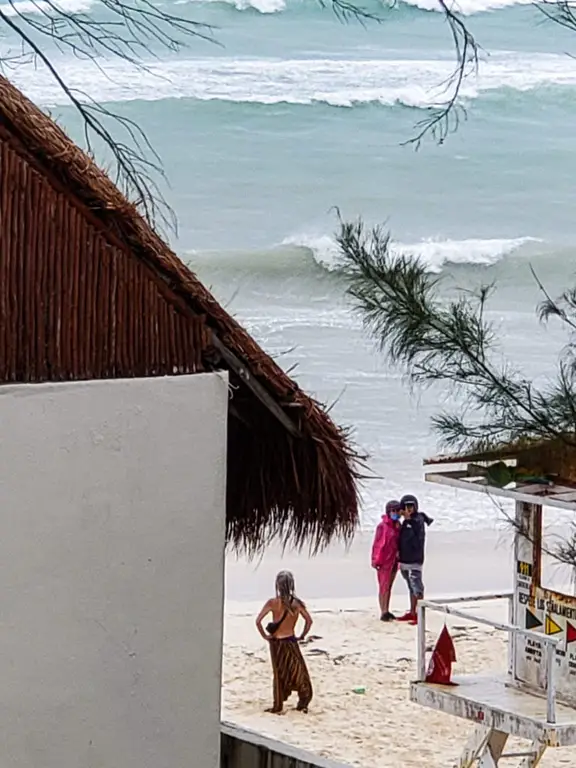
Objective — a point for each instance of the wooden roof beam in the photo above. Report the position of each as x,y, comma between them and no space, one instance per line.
254,385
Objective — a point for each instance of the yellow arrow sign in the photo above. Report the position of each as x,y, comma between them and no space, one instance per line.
551,627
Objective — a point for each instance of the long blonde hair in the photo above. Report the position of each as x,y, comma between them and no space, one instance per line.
285,590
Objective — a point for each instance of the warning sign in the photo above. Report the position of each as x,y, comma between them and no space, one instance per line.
524,569
570,632
532,621
552,628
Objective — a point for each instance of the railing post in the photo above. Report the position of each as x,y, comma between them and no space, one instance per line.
421,612
512,636
513,631
550,683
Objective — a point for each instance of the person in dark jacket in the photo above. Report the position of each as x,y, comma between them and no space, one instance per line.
411,547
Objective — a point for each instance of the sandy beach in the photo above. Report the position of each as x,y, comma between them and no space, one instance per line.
350,648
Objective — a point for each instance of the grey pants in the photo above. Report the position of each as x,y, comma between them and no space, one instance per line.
413,577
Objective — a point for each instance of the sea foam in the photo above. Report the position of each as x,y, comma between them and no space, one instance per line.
466,7
336,82
434,253
262,6
27,7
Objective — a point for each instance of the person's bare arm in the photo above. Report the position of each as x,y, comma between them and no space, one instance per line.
307,622
260,618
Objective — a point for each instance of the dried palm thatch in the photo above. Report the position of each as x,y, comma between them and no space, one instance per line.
89,290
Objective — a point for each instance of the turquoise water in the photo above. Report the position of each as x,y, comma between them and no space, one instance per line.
296,113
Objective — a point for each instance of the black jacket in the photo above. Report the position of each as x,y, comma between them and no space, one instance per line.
413,539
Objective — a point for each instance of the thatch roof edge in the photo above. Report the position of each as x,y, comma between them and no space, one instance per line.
85,182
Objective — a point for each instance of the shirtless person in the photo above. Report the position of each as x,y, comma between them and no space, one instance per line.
288,665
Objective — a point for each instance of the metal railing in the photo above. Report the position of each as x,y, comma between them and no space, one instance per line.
478,597
444,607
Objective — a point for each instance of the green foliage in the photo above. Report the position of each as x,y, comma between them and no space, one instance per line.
436,339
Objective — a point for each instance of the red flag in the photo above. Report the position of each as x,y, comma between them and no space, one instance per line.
443,656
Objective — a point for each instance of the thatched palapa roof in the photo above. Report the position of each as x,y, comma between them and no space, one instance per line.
291,470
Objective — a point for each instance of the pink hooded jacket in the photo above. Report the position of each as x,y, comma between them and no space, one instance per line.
385,546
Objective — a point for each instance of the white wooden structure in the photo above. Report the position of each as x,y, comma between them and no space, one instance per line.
536,698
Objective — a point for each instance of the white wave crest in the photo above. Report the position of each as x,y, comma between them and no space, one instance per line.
26,7
467,7
323,247
435,254
337,82
438,253
340,82
262,6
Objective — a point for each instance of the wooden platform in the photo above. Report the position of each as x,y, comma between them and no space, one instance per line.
490,702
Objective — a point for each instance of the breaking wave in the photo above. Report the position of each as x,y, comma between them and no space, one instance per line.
336,82
303,254
465,7
262,6
435,254
27,7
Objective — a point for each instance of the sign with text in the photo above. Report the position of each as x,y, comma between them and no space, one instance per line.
544,612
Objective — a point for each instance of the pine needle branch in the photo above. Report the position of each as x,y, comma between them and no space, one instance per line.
435,340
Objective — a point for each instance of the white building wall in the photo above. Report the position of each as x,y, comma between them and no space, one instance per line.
112,501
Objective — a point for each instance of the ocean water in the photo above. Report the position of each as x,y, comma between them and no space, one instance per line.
295,113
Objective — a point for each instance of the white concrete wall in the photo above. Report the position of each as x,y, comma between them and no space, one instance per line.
111,573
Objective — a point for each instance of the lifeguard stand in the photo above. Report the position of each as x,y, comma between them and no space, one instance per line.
536,699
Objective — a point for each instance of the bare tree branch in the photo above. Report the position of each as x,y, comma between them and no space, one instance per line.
346,11
135,32
444,120
126,31
562,12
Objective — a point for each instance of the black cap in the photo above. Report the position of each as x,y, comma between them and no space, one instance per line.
409,500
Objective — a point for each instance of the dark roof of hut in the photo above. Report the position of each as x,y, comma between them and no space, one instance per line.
504,452
554,458
291,470
501,452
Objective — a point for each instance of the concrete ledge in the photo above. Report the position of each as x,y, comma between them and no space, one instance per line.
492,703
243,748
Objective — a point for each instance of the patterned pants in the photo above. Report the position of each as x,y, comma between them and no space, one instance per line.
290,673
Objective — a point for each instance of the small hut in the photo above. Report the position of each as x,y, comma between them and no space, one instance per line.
142,426
88,291
536,699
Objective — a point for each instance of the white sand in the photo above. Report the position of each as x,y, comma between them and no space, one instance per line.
381,727
462,562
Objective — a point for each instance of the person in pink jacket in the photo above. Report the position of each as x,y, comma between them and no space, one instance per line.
385,556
